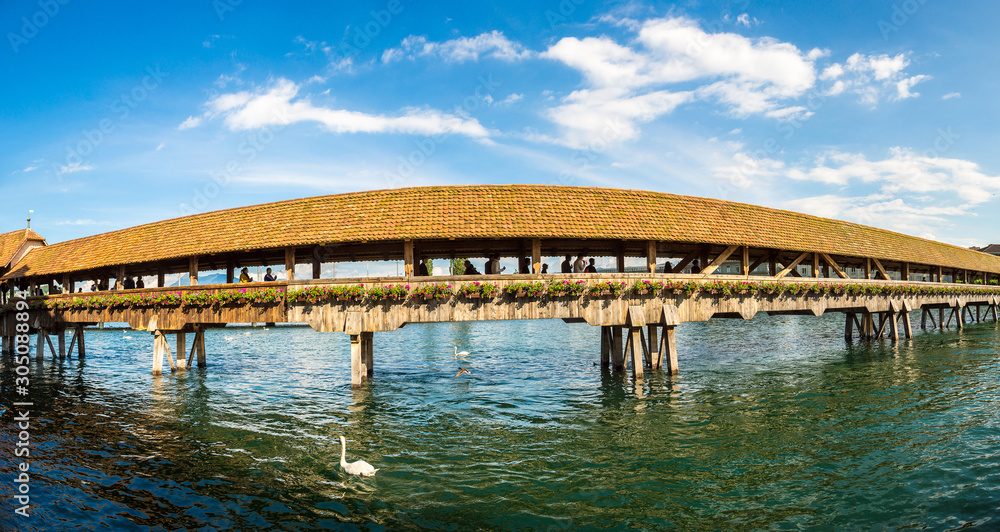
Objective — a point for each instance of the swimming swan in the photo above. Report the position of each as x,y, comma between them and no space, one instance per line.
461,353
360,468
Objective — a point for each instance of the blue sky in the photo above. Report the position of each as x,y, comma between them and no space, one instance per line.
878,112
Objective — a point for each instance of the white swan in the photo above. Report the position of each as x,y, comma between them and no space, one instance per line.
461,353
360,468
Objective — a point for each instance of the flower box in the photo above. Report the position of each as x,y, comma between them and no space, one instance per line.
473,296
605,292
520,294
642,292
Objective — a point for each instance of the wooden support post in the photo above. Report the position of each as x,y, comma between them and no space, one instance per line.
199,338
745,261
62,343
72,342
290,263
79,342
157,353
705,249
408,257
621,257
52,349
357,372
923,318
654,347
868,268
160,275
904,272
867,325
230,274
181,350
318,267
368,339
940,274
536,255
978,318
849,326
193,270
669,348
606,340
650,256
941,324
40,345
120,276
815,265
893,332
772,264
67,285
826,271
617,354
166,349
635,351
907,327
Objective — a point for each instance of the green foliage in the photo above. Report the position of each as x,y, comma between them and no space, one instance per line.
565,288
606,288
433,291
476,288
534,289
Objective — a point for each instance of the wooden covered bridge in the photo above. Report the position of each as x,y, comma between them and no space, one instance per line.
778,262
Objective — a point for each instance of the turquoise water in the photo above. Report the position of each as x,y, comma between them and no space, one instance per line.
773,424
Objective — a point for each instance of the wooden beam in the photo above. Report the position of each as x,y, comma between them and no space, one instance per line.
290,263
836,269
621,257
536,255
617,354
904,272
881,270
707,270
160,275
815,265
772,263
230,271
868,268
408,258
650,256
791,267
317,266
606,341
745,261
755,264
181,361
685,261
192,270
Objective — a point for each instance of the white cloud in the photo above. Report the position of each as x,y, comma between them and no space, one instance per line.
951,95
880,211
192,121
80,222
748,76
160,147
903,87
905,172
493,45
29,169
512,98
872,78
74,167
279,105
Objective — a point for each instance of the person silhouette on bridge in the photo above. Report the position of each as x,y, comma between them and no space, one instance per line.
590,267
129,284
139,283
470,269
578,264
695,267
567,265
422,267
269,277
245,276
667,267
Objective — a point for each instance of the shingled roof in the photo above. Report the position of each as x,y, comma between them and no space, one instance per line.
489,212
12,241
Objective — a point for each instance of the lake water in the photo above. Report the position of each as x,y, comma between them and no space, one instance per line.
773,424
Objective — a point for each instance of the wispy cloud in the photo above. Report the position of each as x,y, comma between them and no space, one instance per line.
492,45
279,104
951,95
192,121
75,167
872,78
80,222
